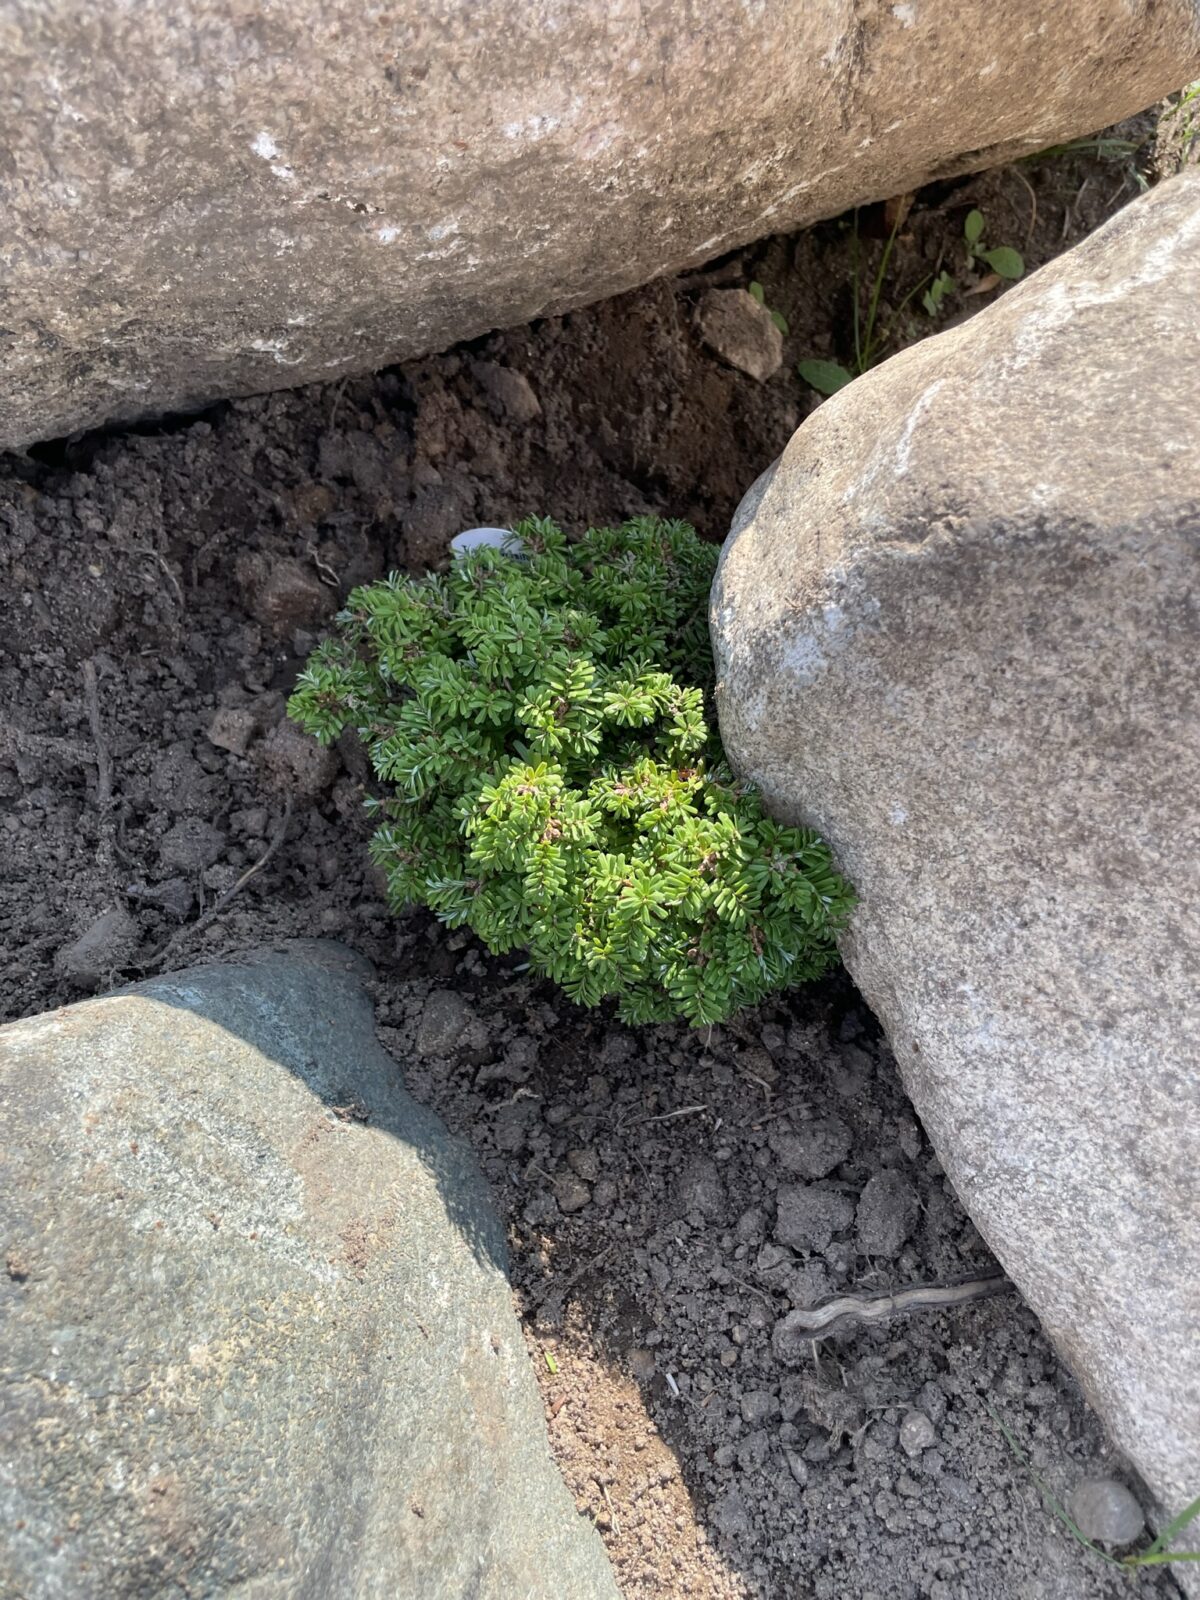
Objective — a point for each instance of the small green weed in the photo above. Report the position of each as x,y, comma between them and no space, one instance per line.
1003,260
1112,149
827,377
870,337
552,777
757,292
1181,125
936,293
1155,1555
1104,146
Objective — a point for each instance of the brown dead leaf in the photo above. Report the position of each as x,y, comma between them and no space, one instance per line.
896,209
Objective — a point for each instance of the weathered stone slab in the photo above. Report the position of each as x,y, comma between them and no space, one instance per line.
257,1333
205,199
956,629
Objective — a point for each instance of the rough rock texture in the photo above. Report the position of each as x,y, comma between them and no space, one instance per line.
956,630
207,199
99,950
258,1334
1105,1510
739,329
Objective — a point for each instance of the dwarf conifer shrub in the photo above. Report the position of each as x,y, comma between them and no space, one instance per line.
550,776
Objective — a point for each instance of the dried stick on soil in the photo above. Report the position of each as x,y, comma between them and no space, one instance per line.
277,500
91,694
215,910
337,400
1017,173
612,1514
670,1116
157,556
846,1311
44,744
324,571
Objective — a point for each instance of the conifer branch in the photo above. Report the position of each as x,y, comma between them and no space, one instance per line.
554,780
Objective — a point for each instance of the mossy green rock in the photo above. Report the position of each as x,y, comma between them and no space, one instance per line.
258,1336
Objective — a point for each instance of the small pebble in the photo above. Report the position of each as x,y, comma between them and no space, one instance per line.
815,1149
509,393
191,845
740,330
642,1364
807,1218
701,1191
752,1225
294,763
93,959
571,1192
917,1433
287,594
730,1515
232,729
758,1406
444,1020
585,1164
1105,1511
931,1399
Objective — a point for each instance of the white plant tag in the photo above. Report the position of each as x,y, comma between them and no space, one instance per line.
497,538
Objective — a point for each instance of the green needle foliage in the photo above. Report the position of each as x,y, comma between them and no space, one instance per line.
551,777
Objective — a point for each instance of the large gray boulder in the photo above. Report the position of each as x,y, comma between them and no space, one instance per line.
203,199
257,1334
957,629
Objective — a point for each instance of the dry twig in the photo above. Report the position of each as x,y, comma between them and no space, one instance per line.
612,1514
91,695
45,744
324,571
669,1116
157,556
219,905
848,1310
1032,205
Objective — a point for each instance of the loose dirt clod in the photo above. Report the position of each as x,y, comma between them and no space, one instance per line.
100,952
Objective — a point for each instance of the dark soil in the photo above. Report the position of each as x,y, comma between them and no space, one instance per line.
159,589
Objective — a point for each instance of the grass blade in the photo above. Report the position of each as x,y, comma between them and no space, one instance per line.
1047,1494
1176,1525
